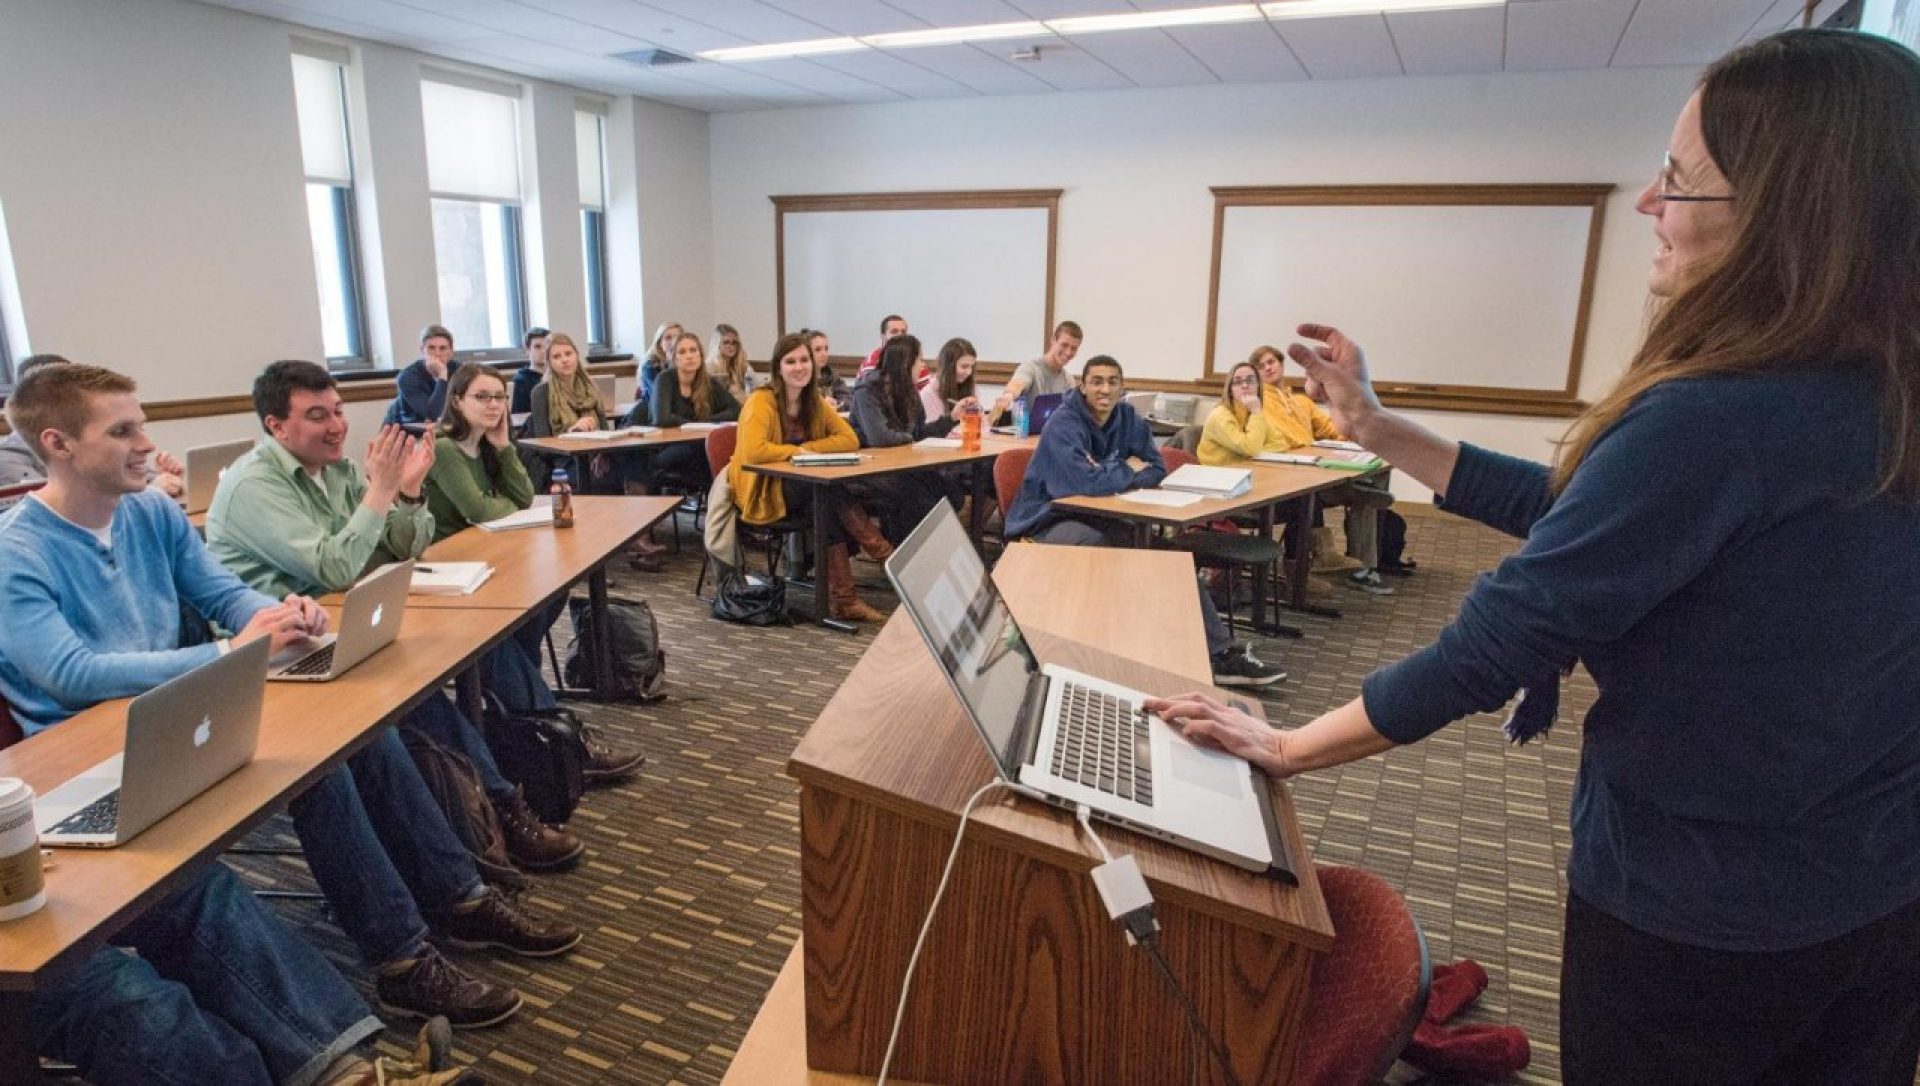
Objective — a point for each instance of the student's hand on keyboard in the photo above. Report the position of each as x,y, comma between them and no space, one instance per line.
313,617
1210,723
280,622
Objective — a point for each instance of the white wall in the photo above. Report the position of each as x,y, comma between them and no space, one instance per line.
1136,217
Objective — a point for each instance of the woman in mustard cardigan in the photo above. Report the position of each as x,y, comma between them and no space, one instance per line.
788,416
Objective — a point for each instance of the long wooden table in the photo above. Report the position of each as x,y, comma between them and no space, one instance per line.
895,460
307,729
1023,978
561,445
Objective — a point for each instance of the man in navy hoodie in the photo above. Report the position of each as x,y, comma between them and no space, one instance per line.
1096,444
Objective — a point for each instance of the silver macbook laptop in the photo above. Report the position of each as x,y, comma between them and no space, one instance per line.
1069,738
205,465
183,737
603,388
369,621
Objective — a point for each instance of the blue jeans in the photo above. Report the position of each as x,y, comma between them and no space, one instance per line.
220,988
382,851
440,720
511,669
1078,533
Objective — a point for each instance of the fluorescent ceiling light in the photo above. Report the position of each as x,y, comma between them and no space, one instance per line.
814,47
951,35
1148,20
1317,9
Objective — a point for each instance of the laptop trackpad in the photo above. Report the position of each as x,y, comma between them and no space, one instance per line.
1212,770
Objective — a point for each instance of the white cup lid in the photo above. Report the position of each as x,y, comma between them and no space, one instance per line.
13,790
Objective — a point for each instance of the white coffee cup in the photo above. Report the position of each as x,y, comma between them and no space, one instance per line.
23,885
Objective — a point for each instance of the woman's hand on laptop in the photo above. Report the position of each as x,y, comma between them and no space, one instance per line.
281,623
313,617
1210,723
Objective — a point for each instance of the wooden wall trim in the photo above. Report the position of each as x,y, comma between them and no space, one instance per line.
1497,400
204,407
1047,200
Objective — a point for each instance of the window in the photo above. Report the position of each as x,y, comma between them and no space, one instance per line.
6,361
12,334
590,147
320,96
473,175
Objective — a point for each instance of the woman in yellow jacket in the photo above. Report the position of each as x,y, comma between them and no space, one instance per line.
785,417
1258,413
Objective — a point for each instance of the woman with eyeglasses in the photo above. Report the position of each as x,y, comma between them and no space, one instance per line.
1730,542
476,478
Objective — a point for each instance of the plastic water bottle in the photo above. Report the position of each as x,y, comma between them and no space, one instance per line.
562,499
1019,418
970,429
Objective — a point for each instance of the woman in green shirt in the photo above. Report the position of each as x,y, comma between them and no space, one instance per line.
476,477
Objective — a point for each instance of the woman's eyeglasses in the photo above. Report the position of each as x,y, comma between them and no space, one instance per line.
487,397
1666,194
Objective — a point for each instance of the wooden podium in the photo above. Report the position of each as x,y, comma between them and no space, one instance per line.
1024,978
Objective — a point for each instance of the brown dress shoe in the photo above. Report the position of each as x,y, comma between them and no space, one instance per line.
533,845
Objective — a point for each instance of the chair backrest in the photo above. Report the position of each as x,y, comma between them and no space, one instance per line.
1177,458
11,495
10,732
720,445
1369,992
1009,471
1186,438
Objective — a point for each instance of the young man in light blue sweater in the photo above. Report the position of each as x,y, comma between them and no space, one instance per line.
94,570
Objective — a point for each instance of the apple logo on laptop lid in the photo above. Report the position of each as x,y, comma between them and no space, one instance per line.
379,609
204,732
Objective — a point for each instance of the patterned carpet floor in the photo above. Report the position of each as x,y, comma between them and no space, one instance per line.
689,894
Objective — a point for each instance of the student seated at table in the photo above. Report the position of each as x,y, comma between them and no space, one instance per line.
476,477
833,386
295,515
951,382
659,355
688,393
531,374
891,325
95,573
730,363
1273,418
887,412
1096,444
1043,376
420,392
207,982
786,417
20,464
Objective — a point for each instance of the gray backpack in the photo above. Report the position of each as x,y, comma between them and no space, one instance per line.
639,664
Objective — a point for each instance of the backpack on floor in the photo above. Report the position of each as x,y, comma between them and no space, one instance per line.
456,790
544,753
1393,543
750,599
639,664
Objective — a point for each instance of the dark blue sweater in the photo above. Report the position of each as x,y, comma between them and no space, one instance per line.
418,398
1750,775
1077,457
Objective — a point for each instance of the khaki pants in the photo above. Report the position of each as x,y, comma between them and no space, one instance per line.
1363,499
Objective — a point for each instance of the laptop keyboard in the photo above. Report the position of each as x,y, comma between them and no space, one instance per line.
1102,742
100,816
318,662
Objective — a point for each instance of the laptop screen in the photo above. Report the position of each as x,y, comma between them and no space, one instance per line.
959,611
1043,409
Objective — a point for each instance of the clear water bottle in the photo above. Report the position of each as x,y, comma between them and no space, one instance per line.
1020,418
562,499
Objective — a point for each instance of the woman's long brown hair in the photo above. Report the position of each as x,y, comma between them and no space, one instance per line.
1818,133
702,395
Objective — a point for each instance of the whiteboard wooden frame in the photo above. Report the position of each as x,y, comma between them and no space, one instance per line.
1047,200
1455,396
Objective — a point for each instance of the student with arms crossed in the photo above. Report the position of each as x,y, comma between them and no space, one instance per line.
476,478
420,392
786,417
295,515
94,573
1096,444
1727,543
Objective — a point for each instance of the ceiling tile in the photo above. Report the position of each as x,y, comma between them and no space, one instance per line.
1685,31
980,70
804,73
1062,65
432,26
1347,47
855,17
642,23
900,72
1565,34
1061,9
1241,54
1450,42
1149,58
749,19
1786,14
961,12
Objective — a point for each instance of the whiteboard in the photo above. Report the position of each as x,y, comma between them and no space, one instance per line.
1485,296
980,273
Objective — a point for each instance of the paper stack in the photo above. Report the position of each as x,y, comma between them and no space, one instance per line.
537,515
1209,482
448,578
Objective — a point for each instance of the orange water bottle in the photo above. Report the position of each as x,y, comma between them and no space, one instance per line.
562,499
970,429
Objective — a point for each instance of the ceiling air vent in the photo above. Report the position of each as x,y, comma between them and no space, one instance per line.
654,58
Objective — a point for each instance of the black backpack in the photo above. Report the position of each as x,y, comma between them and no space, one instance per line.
544,753
1393,543
755,600
639,664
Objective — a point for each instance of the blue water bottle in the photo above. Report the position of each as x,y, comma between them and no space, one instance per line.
1020,418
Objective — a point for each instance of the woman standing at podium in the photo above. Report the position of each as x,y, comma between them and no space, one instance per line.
1728,542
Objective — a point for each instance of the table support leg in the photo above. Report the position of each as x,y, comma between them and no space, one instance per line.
18,1062
977,513
602,648
1260,578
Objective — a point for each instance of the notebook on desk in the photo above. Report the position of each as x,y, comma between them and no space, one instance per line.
1068,738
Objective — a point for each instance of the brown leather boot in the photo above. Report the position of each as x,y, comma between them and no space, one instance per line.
842,601
533,845
865,532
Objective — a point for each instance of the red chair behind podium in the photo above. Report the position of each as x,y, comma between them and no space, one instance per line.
1368,994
